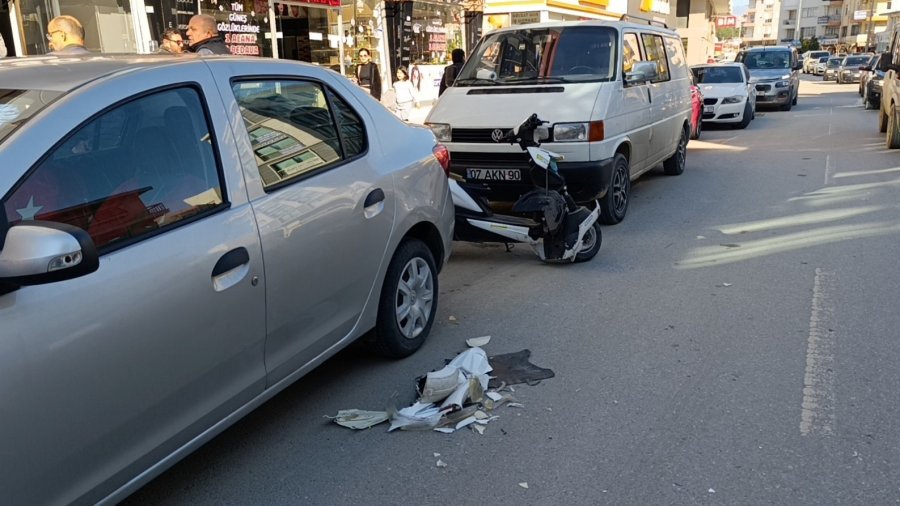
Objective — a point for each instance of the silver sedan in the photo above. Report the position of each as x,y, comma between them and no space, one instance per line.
182,238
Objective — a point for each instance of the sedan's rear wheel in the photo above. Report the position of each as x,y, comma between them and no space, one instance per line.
408,300
614,204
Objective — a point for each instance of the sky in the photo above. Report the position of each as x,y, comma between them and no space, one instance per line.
739,7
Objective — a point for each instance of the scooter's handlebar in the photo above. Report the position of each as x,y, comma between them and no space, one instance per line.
530,133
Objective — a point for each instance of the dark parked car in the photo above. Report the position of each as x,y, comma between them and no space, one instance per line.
848,72
872,83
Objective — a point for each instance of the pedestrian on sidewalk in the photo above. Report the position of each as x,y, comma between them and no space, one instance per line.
451,71
66,37
406,97
203,35
367,74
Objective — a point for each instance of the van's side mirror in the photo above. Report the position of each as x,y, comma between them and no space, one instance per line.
797,66
884,63
641,72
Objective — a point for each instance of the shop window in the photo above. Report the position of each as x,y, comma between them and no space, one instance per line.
291,128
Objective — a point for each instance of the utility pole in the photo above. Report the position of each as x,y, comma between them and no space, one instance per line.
797,35
870,28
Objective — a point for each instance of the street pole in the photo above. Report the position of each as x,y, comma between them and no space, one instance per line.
870,28
797,35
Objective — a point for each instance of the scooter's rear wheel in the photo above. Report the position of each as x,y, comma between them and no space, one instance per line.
590,245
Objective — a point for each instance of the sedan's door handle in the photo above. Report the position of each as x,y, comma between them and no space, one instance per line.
374,203
649,95
231,268
374,197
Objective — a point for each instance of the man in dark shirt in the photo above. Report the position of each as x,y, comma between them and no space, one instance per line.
451,71
203,36
66,36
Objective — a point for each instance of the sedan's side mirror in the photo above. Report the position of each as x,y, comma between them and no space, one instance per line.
865,68
884,63
641,72
39,252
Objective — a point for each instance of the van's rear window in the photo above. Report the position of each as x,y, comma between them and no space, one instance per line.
17,106
542,55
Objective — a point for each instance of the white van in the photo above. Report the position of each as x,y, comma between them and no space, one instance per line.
616,94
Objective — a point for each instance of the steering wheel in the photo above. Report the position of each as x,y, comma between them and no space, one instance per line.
582,69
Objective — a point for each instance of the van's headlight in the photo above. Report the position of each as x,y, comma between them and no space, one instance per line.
578,132
782,84
732,100
441,130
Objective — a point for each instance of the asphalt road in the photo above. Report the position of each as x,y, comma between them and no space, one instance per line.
734,342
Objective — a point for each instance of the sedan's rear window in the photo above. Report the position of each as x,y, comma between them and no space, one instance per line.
17,106
713,75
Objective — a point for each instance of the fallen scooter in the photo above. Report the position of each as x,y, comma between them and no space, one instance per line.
546,218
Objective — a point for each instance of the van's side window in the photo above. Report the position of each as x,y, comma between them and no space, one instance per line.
631,51
675,51
656,52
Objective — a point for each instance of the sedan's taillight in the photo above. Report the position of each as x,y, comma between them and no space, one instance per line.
443,157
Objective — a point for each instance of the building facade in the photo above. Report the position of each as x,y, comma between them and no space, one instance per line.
696,22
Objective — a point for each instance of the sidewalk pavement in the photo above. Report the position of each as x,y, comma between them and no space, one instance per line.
418,114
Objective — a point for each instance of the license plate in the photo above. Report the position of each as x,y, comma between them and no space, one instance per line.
709,109
760,93
494,174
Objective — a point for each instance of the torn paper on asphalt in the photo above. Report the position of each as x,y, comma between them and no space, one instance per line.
478,342
359,419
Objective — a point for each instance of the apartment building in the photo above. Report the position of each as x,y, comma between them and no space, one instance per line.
805,19
761,22
696,23
861,22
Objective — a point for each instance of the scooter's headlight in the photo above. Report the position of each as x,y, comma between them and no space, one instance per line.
578,132
441,130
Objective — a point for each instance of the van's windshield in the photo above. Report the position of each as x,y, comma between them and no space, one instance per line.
542,55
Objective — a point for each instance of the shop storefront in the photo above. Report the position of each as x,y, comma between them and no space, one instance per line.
416,35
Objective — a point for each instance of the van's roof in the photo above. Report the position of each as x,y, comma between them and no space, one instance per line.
590,22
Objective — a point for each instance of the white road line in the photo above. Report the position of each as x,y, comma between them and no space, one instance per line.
828,168
817,409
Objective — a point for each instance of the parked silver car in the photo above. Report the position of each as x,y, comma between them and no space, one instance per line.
848,72
181,239
774,71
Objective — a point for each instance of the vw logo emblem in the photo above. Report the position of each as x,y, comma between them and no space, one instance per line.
497,135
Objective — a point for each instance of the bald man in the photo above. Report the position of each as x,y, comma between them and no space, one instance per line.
203,36
66,36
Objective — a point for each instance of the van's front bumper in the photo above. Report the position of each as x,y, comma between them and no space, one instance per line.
586,181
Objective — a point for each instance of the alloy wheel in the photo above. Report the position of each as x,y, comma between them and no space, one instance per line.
415,296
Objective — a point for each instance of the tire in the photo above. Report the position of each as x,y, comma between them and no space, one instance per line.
787,106
892,139
614,204
592,240
674,165
882,120
794,102
867,104
745,119
696,133
408,301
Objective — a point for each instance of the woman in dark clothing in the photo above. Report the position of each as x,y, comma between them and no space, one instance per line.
367,74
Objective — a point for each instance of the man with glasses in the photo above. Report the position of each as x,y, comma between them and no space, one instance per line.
66,36
171,42
203,34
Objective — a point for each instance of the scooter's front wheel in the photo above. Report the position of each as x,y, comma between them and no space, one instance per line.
590,245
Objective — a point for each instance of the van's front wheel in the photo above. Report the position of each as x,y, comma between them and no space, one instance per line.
614,204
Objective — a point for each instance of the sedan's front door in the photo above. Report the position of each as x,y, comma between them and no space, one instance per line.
104,375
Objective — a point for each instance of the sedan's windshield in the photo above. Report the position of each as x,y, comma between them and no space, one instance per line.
542,55
823,59
856,60
16,106
835,62
713,75
776,59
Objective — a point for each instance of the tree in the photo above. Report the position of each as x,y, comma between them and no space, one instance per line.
811,44
728,33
